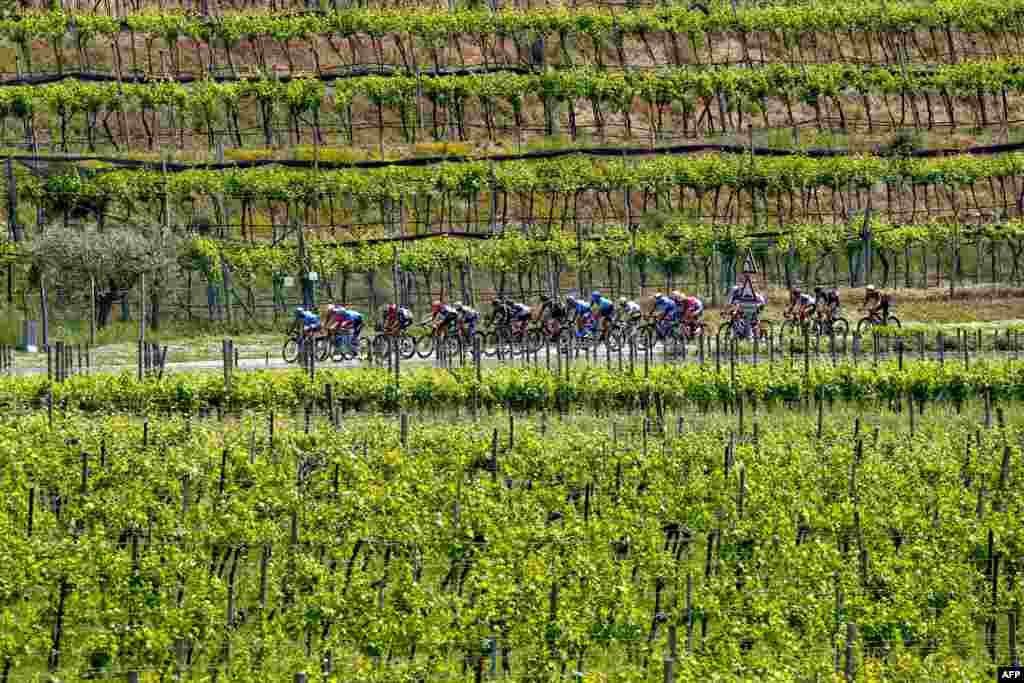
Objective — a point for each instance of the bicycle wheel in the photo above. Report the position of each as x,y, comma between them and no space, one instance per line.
864,326
381,346
322,348
290,350
492,341
406,347
534,340
339,350
645,338
479,340
893,321
725,332
425,346
452,347
504,347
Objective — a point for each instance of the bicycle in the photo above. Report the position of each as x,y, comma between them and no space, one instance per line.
829,324
343,349
865,324
296,340
382,343
798,325
623,333
738,326
668,332
427,344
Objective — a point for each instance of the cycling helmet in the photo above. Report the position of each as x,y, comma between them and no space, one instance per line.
299,310
796,291
622,301
818,289
435,307
545,298
870,288
595,296
458,306
676,294
571,300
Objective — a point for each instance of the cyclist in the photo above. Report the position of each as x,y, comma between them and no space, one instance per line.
876,303
666,306
520,315
353,319
800,303
551,311
442,316
396,319
692,309
630,310
468,318
501,313
547,307
605,310
828,303
334,318
679,298
579,311
309,320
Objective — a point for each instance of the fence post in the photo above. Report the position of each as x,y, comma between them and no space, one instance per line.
670,660
851,635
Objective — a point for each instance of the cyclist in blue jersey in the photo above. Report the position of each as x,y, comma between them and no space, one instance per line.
605,311
309,320
579,312
353,320
666,306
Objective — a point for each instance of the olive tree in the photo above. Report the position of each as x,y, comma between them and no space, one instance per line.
112,258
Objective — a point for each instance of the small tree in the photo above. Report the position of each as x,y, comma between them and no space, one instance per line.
113,257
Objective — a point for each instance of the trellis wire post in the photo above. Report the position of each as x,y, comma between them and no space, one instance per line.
851,635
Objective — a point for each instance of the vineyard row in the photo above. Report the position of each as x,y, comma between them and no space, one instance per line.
678,251
679,103
174,43
200,549
527,388
577,191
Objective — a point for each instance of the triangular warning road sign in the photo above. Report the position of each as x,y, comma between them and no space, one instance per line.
747,292
749,266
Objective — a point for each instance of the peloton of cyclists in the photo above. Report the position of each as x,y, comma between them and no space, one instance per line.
673,308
